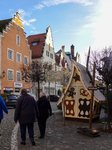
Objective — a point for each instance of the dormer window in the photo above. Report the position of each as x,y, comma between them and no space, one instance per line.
34,43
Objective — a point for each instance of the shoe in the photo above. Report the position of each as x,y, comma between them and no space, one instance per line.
32,141
41,137
23,142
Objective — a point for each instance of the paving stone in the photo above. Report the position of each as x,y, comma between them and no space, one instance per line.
58,136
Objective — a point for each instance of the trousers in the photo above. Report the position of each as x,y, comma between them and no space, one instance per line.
42,126
30,127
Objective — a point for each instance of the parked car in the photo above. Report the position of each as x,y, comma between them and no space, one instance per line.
31,94
16,94
53,98
11,100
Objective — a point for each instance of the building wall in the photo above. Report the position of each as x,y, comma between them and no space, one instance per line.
49,47
9,41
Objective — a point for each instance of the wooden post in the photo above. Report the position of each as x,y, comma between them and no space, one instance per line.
92,97
88,59
64,102
63,108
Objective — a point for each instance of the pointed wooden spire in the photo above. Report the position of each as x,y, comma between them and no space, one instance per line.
88,59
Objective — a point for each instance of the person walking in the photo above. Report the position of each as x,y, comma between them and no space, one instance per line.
45,111
26,112
2,108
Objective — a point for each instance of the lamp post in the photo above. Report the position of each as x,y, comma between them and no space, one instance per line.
3,74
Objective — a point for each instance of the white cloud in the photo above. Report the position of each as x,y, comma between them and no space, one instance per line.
49,3
11,10
33,28
100,24
22,12
103,29
26,22
57,2
40,6
32,20
34,32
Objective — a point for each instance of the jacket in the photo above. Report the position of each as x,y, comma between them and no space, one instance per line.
26,110
44,107
2,108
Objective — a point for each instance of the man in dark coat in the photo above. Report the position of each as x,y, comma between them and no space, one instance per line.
45,111
26,112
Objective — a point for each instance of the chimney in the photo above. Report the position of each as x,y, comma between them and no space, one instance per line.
63,48
72,50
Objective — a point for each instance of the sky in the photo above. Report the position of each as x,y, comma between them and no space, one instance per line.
82,23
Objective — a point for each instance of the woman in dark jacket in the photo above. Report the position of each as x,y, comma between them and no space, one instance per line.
45,111
26,112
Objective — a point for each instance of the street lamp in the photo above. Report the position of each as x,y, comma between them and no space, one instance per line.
3,74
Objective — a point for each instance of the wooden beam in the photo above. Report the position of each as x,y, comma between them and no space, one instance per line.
92,97
88,59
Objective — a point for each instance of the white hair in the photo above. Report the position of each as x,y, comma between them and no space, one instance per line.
42,93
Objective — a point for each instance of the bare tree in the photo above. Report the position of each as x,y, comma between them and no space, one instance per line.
35,72
103,61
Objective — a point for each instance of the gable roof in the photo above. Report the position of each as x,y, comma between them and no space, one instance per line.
37,50
57,59
4,23
86,81
59,52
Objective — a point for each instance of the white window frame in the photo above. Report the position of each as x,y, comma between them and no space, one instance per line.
51,55
47,53
26,80
27,59
12,54
8,75
17,57
17,76
18,38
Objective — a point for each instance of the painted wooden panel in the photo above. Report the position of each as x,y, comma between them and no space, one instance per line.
70,100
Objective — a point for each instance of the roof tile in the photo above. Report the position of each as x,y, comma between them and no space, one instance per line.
37,49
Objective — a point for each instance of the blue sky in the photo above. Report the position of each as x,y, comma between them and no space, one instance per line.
82,23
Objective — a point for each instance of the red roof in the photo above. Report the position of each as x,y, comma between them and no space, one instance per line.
37,50
57,59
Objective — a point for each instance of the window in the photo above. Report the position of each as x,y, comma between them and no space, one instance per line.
10,74
26,60
18,40
34,43
47,53
26,79
18,76
18,57
10,54
51,55
49,46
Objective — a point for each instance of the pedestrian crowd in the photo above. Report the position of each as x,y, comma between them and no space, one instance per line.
27,112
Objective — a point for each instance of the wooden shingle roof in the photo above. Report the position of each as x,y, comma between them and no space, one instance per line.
86,81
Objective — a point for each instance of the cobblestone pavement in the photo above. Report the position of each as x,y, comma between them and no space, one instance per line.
6,128
65,137
58,136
